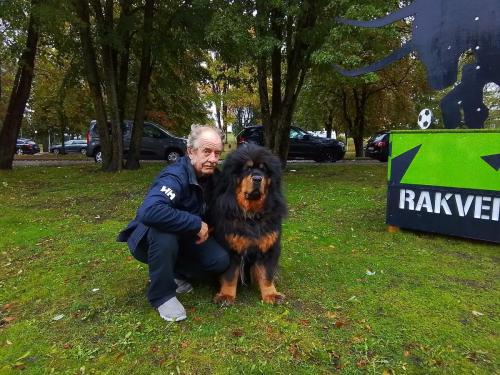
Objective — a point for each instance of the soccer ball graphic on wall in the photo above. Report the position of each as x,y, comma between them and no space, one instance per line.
425,118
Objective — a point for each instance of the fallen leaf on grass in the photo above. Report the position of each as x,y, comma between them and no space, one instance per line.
357,339
331,315
294,351
6,320
67,345
184,344
304,322
237,333
361,363
19,366
477,355
58,317
335,361
339,323
406,353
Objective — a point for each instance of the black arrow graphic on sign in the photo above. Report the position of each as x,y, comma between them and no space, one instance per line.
401,163
493,161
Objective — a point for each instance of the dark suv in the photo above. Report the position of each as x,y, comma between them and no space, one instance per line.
377,146
157,143
302,144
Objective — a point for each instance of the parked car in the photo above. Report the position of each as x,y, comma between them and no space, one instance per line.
73,145
302,144
377,146
26,146
157,143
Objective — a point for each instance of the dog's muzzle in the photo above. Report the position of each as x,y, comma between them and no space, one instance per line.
256,188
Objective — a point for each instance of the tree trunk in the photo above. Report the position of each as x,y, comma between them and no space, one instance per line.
90,62
277,119
358,145
124,59
19,96
105,26
143,88
225,89
329,123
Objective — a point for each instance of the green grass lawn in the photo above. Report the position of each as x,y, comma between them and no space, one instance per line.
359,299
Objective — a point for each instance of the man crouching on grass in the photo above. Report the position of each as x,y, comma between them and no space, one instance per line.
169,233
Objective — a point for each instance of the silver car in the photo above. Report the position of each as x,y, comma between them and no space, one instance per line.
72,145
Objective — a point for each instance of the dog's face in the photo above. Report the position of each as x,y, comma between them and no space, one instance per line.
253,186
249,185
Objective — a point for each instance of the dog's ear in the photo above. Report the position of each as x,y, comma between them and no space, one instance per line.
275,199
225,192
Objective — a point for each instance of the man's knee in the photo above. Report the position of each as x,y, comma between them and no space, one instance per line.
219,263
162,244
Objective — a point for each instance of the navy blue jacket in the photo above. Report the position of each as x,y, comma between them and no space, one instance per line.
175,203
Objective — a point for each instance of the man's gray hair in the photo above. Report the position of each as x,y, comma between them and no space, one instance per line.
197,131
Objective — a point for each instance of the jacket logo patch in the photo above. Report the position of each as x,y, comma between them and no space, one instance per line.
168,192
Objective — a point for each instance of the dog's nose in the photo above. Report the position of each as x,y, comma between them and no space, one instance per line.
257,179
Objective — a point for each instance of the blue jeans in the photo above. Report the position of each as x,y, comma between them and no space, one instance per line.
168,255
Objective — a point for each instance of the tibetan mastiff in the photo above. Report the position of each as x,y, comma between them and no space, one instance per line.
246,216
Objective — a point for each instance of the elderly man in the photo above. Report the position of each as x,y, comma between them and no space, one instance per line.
169,232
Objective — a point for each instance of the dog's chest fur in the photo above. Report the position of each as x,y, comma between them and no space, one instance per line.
252,235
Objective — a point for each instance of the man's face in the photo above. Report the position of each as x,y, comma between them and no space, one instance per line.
205,158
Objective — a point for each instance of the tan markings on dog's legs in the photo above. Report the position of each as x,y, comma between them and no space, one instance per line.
227,292
238,243
265,242
267,289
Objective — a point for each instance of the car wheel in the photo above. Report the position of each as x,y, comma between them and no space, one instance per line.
98,156
56,151
173,155
83,151
19,151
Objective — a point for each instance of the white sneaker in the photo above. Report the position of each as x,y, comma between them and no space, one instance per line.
183,286
172,310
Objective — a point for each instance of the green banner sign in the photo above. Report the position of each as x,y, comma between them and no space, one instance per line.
445,182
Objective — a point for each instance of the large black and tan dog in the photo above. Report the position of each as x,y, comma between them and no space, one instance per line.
247,213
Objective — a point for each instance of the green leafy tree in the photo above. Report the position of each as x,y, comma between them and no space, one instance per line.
358,106
278,39
232,89
20,91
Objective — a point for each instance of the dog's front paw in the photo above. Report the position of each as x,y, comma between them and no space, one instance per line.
224,299
275,298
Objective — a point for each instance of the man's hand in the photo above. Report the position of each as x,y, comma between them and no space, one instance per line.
203,233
